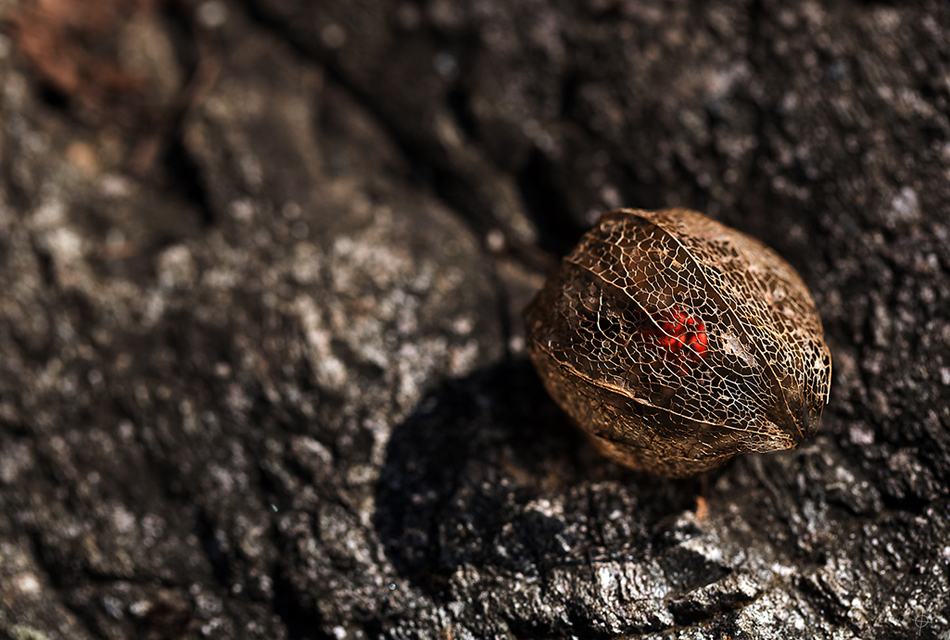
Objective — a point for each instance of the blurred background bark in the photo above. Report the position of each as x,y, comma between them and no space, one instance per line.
262,266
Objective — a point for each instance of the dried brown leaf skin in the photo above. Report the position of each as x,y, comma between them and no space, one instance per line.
677,343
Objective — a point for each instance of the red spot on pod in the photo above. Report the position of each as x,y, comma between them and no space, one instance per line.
676,343
680,335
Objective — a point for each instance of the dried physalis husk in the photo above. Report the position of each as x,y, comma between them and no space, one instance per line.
677,343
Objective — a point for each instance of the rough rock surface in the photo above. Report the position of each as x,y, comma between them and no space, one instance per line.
262,372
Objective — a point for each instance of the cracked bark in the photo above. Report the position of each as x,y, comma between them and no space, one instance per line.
277,387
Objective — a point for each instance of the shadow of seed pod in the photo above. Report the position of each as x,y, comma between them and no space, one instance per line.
677,343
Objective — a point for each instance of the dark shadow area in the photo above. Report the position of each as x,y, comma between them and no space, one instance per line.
181,174
488,473
301,623
557,230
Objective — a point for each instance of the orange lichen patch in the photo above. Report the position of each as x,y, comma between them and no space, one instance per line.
83,157
68,45
702,508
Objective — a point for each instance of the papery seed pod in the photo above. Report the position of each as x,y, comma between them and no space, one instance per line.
677,343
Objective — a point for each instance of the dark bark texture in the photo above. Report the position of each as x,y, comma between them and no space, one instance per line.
262,268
